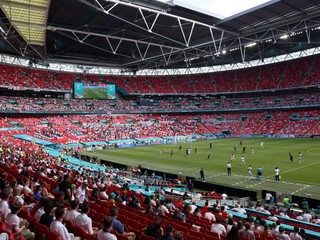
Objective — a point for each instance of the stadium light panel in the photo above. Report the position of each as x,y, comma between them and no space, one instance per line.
285,36
28,17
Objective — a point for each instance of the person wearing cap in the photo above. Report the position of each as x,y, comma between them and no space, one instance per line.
111,199
266,233
255,227
282,235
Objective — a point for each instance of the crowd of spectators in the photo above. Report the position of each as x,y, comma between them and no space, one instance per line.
296,73
19,104
38,194
104,127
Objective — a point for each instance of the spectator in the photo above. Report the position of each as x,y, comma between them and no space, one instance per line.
295,234
37,193
13,222
246,232
65,187
105,232
73,213
217,227
154,230
47,217
169,233
178,235
59,228
4,204
282,235
82,220
118,226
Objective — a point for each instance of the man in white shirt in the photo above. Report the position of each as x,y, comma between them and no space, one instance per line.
224,196
104,234
4,206
307,217
295,234
219,228
139,191
210,216
12,222
59,228
242,160
81,192
268,197
73,213
82,220
277,174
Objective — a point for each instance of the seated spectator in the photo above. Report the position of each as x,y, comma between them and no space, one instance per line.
179,215
39,208
135,204
210,216
14,225
4,203
282,235
295,234
256,228
168,234
82,220
266,233
154,230
73,213
45,192
233,234
37,193
223,213
59,200
3,180
58,227
111,200
118,226
246,232
105,232
217,227
178,235
307,217
103,194
197,212
47,217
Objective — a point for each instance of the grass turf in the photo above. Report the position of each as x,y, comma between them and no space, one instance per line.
95,93
299,179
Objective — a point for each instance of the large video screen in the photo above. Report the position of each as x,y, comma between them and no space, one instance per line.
99,91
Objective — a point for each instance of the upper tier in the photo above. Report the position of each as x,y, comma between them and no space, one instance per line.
290,74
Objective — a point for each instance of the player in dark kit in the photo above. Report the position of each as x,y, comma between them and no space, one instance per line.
291,157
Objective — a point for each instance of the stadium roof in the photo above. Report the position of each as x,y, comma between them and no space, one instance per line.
146,34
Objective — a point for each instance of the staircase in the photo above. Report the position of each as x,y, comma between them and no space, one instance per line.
314,126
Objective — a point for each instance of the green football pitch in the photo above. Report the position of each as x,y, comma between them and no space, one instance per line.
299,179
95,93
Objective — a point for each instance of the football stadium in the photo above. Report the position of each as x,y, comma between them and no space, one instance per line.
149,119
